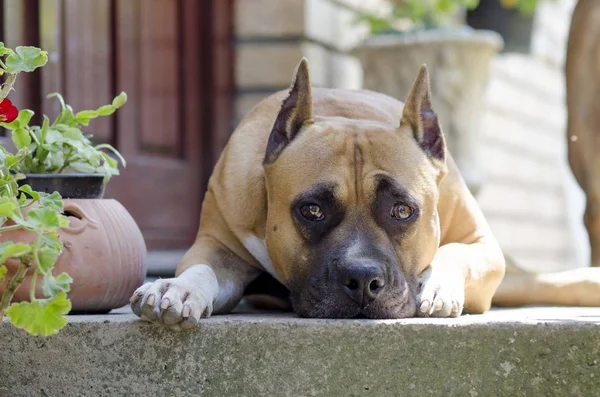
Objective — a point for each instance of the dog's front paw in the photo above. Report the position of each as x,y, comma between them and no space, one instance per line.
171,302
441,294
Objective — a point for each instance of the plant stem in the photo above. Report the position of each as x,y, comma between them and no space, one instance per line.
32,289
14,283
10,192
66,161
9,228
7,86
36,257
29,204
32,134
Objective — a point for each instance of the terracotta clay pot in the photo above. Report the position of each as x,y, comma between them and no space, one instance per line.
104,252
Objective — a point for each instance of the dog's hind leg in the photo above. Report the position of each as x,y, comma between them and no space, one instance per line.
575,287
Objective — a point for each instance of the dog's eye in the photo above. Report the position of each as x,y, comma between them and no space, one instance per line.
312,212
401,211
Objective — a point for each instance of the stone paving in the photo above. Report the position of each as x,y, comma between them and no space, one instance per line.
507,352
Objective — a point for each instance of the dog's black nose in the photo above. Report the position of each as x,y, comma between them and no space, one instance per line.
362,281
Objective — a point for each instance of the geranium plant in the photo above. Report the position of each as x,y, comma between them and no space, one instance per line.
41,215
403,14
54,147
61,146
430,13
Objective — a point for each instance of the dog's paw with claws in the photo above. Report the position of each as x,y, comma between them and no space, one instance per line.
441,294
172,303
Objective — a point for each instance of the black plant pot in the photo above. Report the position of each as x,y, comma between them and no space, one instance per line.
514,27
70,186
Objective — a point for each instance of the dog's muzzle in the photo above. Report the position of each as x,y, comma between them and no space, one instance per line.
361,280
356,288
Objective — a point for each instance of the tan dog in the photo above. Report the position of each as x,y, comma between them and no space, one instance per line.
350,200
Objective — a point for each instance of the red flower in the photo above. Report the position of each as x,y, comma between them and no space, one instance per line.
8,112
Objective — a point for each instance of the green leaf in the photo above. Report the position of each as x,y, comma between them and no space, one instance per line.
13,125
29,165
32,193
108,171
57,160
416,10
59,97
112,163
12,161
35,133
8,206
83,167
21,138
53,135
25,59
66,115
445,6
119,100
4,50
52,200
52,286
112,149
75,134
24,117
95,160
47,258
50,240
41,154
45,218
376,25
3,271
85,116
44,130
106,110
527,7
41,317
470,4
14,250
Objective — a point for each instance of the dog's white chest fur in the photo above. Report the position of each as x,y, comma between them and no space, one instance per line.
258,249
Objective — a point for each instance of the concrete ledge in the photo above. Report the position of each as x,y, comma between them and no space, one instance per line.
525,352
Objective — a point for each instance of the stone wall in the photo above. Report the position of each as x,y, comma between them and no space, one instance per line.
529,196
272,36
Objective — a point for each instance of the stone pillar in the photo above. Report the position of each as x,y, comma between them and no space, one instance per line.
458,61
273,35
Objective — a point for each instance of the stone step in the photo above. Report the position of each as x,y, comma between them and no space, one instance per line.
510,352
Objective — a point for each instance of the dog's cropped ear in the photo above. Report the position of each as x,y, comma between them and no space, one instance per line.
296,111
420,117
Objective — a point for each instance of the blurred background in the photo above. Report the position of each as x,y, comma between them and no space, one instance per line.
193,68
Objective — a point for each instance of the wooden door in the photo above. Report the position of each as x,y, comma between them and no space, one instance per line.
174,60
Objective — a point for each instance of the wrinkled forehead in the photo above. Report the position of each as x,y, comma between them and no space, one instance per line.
353,156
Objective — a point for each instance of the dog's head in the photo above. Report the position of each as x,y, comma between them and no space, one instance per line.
352,204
